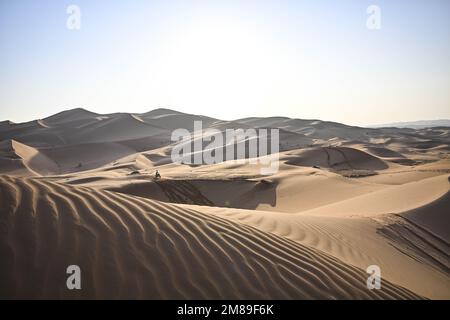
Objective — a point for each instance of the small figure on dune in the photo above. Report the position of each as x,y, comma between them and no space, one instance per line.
157,175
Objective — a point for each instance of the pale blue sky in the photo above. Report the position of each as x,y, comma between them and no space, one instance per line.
228,59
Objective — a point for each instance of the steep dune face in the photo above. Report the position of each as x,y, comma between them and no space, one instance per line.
392,199
10,161
433,216
384,152
337,158
80,157
34,160
129,247
21,159
407,254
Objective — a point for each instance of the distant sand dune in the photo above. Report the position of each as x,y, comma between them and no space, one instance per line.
34,160
338,158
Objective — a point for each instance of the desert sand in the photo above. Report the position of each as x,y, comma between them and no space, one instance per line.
78,188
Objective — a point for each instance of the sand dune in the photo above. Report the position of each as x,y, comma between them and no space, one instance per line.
34,160
70,116
10,161
408,254
393,199
130,247
433,216
337,158
313,128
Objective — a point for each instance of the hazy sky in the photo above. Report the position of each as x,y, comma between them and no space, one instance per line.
228,59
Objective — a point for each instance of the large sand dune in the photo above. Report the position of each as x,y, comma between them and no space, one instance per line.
130,247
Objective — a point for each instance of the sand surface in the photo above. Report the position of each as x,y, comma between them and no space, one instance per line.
78,188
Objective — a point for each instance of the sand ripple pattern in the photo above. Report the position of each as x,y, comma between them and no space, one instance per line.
135,248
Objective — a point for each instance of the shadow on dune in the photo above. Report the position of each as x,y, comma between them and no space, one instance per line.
336,158
422,233
233,193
